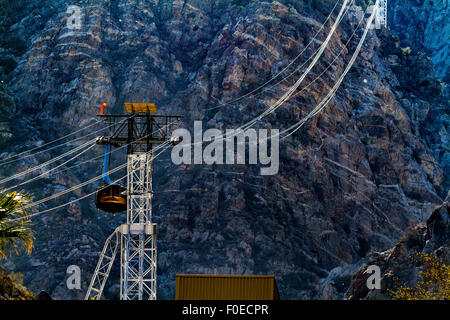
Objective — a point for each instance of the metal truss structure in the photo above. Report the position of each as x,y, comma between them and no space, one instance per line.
103,267
138,241
382,13
137,238
380,19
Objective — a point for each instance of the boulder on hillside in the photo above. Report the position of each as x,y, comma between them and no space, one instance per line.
397,265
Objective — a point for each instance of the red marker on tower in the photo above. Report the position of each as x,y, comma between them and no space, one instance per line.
103,107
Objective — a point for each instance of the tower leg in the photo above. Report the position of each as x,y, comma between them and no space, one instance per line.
138,240
138,262
103,268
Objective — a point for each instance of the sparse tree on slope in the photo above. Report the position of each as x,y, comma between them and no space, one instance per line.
15,231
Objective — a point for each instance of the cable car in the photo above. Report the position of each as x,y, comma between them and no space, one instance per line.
112,197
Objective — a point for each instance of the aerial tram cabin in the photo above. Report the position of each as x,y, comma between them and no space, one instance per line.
111,198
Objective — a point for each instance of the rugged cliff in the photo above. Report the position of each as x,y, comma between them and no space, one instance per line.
351,181
397,265
424,26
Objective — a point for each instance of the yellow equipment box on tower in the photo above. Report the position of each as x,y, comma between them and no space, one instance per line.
140,108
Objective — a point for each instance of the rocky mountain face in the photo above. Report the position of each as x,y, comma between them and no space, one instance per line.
396,264
424,26
351,181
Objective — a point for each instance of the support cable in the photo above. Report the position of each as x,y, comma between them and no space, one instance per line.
334,60
286,96
331,94
54,147
112,151
302,65
284,69
89,181
322,104
33,204
48,143
20,174
48,171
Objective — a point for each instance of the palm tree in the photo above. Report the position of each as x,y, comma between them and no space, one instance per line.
15,231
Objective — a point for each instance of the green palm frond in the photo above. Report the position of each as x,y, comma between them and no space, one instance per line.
15,226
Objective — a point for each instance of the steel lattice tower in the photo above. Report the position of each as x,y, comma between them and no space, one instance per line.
382,13
139,130
138,236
